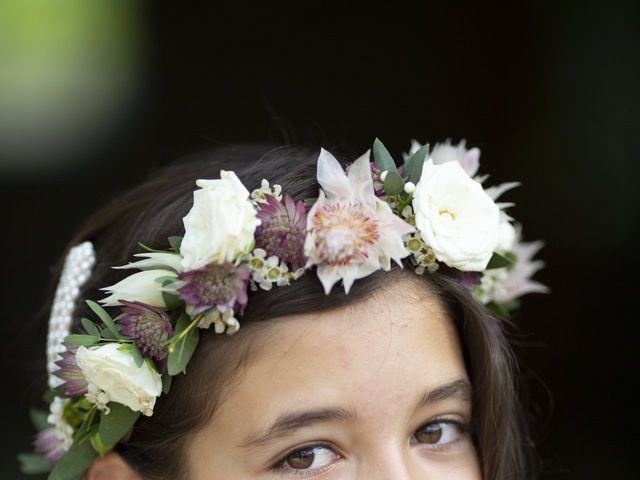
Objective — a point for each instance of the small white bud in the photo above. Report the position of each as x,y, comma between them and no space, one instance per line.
383,175
409,187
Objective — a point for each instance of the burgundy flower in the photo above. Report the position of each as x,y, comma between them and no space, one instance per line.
47,444
282,231
75,385
216,285
149,326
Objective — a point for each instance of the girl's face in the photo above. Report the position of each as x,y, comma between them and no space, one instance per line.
377,390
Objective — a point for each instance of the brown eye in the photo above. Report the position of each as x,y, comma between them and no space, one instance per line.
431,433
301,459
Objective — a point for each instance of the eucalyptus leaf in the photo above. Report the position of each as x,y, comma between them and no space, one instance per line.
105,317
166,382
382,158
184,348
499,310
74,463
413,164
175,243
82,340
114,426
90,327
33,463
309,201
106,333
39,419
393,183
498,261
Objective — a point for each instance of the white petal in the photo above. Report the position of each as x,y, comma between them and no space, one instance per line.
155,260
331,177
496,191
361,181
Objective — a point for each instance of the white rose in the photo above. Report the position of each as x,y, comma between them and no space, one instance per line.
507,234
113,376
455,216
221,223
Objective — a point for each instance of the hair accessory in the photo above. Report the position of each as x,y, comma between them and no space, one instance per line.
75,272
431,212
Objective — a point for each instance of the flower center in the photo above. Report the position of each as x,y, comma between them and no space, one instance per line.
448,214
344,233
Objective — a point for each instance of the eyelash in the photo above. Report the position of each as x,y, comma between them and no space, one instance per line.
281,464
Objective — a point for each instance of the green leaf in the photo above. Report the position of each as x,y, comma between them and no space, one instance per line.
149,249
33,463
393,183
309,201
499,310
184,348
498,261
39,419
105,317
90,327
413,164
113,427
382,158
175,243
166,382
82,340
74,463
106,333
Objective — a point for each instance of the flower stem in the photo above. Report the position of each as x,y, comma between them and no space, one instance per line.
172,342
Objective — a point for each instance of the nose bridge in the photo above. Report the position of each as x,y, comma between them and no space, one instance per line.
387,464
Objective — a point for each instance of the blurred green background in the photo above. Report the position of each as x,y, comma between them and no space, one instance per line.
95,95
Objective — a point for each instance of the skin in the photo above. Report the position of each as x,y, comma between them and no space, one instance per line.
356,375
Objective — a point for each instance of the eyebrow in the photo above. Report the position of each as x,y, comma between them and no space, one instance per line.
459,388
288,423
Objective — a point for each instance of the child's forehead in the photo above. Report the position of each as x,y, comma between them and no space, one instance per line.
348,356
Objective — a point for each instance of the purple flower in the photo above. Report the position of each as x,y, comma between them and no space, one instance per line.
216,285
469,279
75,385
149,326
47,444
282,231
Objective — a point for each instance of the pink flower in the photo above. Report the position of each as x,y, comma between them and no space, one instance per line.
350,232
282,229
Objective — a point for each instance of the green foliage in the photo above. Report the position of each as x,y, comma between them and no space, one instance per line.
33,463
180,352
75,462
175,243
382,158
113,426
413,164
81,340
498,310
498,261
105,317
39,419
393,183
166,382
90,327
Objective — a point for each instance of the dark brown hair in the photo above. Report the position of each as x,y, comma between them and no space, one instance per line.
153,211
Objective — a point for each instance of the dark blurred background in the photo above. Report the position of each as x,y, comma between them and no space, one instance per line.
95,95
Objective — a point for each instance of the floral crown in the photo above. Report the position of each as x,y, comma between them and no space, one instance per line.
433,210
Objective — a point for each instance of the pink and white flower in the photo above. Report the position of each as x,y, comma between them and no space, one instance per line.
351,233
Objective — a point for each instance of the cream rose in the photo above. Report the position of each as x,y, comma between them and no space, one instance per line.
221,223
455,216
113,376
